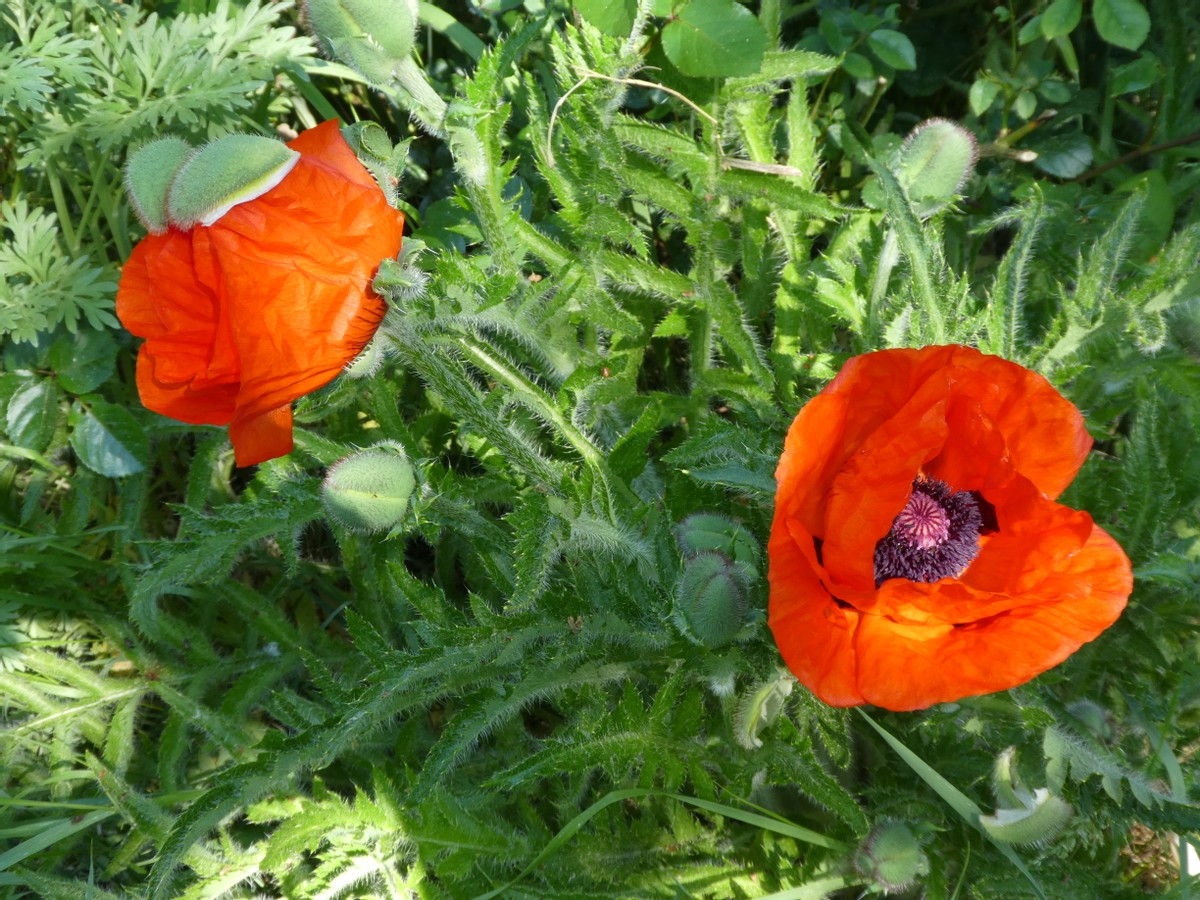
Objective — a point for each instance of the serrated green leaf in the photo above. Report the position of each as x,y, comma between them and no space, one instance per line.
893,48
108,439
84,360
32,414
715,39
1061,17
1122,23
630,454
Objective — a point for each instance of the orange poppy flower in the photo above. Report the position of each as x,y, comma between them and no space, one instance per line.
268,303
917,555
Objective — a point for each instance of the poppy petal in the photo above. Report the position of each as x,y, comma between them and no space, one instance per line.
814,633
1044,575
268,303
903,666
261,437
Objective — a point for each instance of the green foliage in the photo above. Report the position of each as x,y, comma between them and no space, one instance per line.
544,669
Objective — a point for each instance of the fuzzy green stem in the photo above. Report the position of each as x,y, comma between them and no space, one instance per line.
910,239
533,396
889,255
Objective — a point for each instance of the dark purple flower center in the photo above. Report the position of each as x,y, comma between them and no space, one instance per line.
935,536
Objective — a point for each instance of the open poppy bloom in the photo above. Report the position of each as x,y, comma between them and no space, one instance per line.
917,555
267,303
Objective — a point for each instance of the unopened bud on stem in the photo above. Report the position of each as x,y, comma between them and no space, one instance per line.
369,491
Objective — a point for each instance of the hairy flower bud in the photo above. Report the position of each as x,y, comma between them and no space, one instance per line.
760,708
892,857
369,491
934,163
710,600
370,36
709,532
1035,821
371,360
233,169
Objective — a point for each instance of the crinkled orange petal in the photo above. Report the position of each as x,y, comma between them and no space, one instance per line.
1044,433
267,304
904,667
185,369
814,634
1047,574
261,437
875,482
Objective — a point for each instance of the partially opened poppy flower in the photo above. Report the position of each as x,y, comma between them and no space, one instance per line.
917,555
262,302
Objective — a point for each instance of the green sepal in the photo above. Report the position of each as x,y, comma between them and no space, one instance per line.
231,170
759,709
371,36
149,172
1034,822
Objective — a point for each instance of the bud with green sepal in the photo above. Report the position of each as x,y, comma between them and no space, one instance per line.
370,36
233,169
371,359
399,280
1007,785
369,491
892,857
149,172
383,159
1023,816
934,163
760,708
710,600
1034,822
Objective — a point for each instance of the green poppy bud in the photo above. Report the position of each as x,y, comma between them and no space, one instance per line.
710,600
892,857
149,171
934,163
1035,821
400,282
369,491
231,170
760,708
370,36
